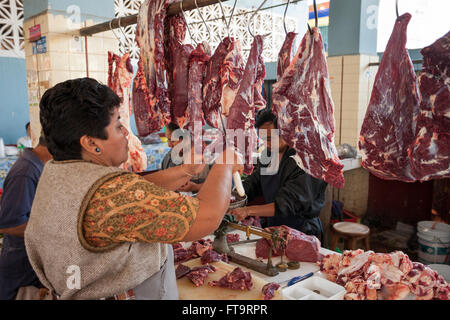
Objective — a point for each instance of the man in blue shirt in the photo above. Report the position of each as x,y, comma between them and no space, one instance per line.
18,194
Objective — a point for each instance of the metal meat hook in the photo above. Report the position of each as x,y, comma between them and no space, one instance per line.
187,25
253,15
284,16
111,28
201,16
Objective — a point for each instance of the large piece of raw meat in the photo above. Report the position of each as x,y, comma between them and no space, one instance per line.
120,77
430,152
224,73
178,72
248,99
150,93
195,118
305,110
389,126
285,54
298,246
284,60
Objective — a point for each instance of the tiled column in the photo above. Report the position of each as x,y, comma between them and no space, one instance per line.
352,39
65,56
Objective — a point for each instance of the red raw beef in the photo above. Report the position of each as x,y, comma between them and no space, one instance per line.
389,126
248,98
150,94
212,256
302,100
236,280
179,67
195,117
284,60
299,246
181,271
223,75
269,289
199,274
430,152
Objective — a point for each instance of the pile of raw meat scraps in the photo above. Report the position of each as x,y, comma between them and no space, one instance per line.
198,248
235,280
382,276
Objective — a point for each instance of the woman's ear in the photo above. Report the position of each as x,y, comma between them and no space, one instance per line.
89,145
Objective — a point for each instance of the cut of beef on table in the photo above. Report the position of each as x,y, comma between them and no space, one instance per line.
298,246
236,280
430,152
198,274
389,126
120,75
211,255
181,271
150,93
305,110
268,291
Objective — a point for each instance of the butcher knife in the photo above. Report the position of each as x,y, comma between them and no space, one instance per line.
294,280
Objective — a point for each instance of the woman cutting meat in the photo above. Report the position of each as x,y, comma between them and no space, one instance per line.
97,231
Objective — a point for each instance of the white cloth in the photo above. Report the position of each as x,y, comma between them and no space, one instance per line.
25,141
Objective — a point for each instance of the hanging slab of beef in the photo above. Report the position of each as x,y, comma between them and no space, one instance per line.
389,126
430,152
150,94
179,69
284,60
120,75
302,100
248,98
195,117
224,73
299,246
236,280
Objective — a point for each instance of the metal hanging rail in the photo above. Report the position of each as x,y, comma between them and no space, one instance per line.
172,9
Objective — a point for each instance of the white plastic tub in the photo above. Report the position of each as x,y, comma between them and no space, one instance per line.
434,242
314,288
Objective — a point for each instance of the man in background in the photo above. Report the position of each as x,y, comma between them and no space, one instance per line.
18,194
25,141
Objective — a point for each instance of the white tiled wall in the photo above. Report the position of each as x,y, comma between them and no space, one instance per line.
65,59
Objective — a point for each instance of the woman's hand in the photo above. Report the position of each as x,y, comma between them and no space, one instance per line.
240,213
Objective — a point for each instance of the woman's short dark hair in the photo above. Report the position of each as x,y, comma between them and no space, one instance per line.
72,109
265,116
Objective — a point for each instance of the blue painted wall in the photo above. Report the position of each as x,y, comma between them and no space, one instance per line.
353,27
14,99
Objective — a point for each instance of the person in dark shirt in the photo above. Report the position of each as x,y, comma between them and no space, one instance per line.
18,194
291,196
